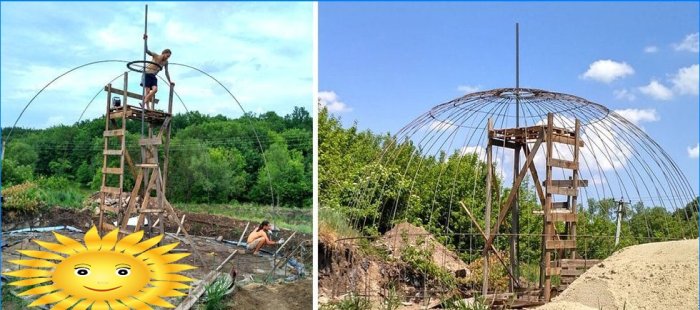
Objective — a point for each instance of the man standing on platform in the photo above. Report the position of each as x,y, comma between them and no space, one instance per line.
150,81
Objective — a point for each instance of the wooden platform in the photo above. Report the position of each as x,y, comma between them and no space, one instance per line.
134,113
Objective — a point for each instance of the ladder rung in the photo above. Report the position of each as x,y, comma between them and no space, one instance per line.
553,271
567,183
562,191
111,190
113,133
566,164
112,152
560,244
152,211
562,217
115,115
113,170
151,141
149,166
566,140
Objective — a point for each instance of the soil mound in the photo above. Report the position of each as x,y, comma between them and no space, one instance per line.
408,235
292,296
661,275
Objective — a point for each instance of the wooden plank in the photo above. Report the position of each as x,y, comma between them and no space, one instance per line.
151,141
579,262
112,170
503,143
151,210
112,152
561,163
116,115
128,93
553,271
560,244
562,217
150,166
566,140
132,201
111,190
562,191
113,133
569,183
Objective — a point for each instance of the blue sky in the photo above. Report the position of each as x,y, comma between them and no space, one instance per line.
383,64
263,52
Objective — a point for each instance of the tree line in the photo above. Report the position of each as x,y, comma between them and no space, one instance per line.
375,182
263,159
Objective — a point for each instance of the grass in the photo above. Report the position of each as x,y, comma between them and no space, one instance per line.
286,218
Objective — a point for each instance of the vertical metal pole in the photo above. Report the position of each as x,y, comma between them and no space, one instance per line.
515,215
487,213
619,222
143,108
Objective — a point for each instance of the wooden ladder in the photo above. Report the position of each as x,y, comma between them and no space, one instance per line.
556,212
113,130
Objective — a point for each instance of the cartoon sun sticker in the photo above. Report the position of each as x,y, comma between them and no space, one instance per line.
104,273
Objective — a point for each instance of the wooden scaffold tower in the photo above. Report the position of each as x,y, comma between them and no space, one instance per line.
557,245
147,199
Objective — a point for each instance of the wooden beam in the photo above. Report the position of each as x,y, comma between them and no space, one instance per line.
243,234
498,256
513,191
503,143
560,244
132,201
111,190
112,170
561,163
192,298
150,141
128,94
566,140
569,183
562,217
113,133
535,177
562,191
285,243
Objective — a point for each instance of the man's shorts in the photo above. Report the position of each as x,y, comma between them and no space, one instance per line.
252,245
151,80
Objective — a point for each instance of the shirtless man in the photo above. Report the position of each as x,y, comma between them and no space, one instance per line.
150,81
258,238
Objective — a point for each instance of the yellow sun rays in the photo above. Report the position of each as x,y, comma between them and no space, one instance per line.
102,273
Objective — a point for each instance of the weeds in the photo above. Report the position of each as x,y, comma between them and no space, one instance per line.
216,292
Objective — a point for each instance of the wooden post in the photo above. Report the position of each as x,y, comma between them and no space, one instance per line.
572,236
487,213
547,208
243,234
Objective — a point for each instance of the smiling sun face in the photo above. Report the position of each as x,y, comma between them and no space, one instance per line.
104,273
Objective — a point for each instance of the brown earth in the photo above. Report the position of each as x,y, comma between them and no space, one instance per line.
282,296
656,276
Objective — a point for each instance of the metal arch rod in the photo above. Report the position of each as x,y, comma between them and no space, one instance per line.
7,140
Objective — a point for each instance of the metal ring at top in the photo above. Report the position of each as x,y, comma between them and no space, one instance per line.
131,66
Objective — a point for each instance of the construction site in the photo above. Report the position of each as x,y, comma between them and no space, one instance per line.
133,198
513,198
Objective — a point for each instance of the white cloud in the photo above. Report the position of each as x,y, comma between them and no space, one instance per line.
693,152
607,70
685,81
624,94
690,43
637,116
657,91
331,101
467,89
441,125
651,49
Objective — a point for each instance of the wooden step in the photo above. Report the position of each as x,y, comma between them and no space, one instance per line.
567,183
561,163
566,140
111,190
553,271
562,217
116,115
151,141
152,210
113,170
560,205
562,191
560,244
113,133
112,152
149,166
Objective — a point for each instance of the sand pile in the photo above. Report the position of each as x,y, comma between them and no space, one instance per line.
655,276
405,234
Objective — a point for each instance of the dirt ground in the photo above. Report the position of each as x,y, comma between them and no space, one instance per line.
661,275
290,296
252,270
